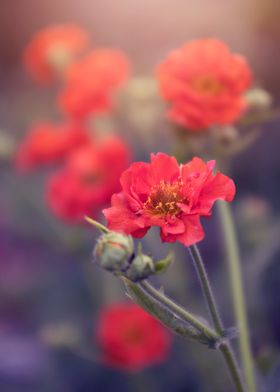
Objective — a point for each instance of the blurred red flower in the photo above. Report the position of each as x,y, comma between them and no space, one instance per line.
47,143
91,82
52,49
130,338
204,83
89,178
164,194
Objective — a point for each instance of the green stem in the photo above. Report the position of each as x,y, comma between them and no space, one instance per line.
225,348
183,313
233,259
206,288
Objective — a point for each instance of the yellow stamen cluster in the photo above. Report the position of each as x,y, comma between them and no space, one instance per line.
164,198
207,84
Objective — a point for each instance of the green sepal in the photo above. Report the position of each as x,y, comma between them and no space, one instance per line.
163,264
98,225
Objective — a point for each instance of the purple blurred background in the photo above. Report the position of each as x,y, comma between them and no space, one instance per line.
50,293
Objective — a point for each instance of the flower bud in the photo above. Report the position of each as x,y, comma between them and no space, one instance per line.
141,267
257,99
114,251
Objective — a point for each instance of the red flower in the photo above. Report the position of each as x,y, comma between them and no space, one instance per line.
164,194
130,338
204,83
52,49
48,143
90,177
91,82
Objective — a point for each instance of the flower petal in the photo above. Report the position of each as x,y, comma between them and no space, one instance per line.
218,187
193,231
121,218
164,168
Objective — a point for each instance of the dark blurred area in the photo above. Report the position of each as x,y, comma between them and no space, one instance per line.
50,293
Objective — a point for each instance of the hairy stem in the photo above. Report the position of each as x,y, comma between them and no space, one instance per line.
177,309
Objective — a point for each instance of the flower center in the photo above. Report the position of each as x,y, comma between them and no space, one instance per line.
164,198
133,335
207,84
90,179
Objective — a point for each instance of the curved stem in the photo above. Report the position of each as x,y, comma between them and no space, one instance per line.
184,314
233,259
213,309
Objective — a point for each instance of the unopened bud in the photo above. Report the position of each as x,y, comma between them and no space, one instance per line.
142,266
114,251
257,98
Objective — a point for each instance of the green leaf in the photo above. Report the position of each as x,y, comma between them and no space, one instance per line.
162,313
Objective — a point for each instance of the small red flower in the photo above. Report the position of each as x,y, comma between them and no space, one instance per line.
88,180
91,82
49,143
204,83
52,49
130,338
164,194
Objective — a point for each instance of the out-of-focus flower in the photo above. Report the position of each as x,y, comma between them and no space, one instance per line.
131,339
52,49
47,143
89,178
91,82
61,335
164,194
204,83
141,107
7,144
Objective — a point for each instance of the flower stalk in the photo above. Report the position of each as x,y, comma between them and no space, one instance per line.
233,260
225,347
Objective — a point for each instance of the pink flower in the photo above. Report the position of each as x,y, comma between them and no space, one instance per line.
52,49
204,83
47,143
91,82
171,196
130,339
88,180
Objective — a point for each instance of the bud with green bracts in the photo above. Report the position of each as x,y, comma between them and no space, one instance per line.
114,252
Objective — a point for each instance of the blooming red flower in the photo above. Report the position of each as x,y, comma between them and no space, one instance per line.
52,49
89,178
204,83
130,338
164,194
91,82
48,143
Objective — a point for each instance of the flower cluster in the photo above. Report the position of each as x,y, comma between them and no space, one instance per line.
91,161
205,84
171,196
130,339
